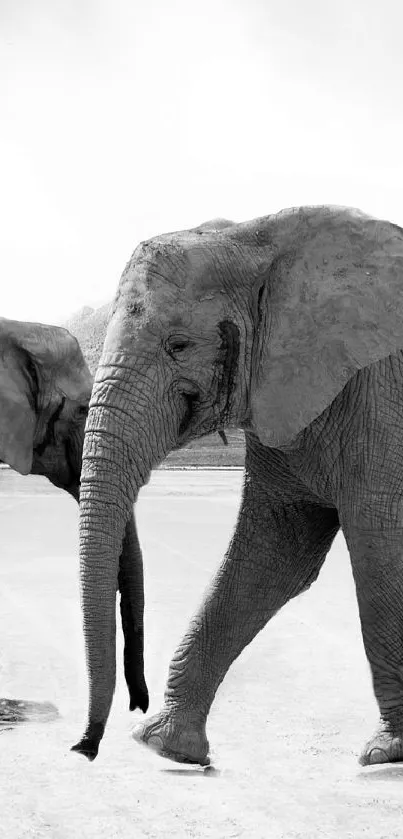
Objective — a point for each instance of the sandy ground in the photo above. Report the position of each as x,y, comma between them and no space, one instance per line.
287,724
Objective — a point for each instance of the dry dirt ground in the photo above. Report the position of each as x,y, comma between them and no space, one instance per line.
287,723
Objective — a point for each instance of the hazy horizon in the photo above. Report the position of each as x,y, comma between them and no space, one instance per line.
124,120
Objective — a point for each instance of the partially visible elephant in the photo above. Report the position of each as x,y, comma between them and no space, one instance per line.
45,387
290,327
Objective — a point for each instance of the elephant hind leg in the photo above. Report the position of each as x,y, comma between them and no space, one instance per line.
377,562
276,553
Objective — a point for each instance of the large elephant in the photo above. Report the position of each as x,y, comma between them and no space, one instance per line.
45,387
291,327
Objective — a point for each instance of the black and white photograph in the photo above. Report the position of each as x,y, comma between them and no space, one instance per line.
201,419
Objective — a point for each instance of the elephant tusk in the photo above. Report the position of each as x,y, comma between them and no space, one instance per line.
223,436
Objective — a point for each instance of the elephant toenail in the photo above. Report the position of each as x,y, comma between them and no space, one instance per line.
155,743
378,755
138,733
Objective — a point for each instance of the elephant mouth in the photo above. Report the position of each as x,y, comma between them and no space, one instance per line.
74,491
186,427
200,418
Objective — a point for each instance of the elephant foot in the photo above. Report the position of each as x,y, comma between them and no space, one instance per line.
174,737
16,711
383,747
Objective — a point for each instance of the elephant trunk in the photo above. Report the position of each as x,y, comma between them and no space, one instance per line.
131,587
117,461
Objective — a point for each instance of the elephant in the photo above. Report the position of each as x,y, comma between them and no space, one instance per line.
45,387
290,327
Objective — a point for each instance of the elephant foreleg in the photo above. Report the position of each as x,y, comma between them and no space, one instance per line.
277,552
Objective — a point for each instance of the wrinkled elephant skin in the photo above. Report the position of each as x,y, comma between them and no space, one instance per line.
290,327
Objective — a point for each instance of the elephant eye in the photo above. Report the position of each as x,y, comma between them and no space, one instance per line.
83,411
176,345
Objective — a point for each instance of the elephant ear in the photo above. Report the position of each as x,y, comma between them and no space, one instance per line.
40,366
330,304
17,414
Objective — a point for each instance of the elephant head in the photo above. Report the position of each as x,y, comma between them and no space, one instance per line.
45,387
256,325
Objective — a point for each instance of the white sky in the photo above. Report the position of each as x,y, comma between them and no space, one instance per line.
122,119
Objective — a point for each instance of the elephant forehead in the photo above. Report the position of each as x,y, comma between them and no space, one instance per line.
76,384
180,262
197,316
169,279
